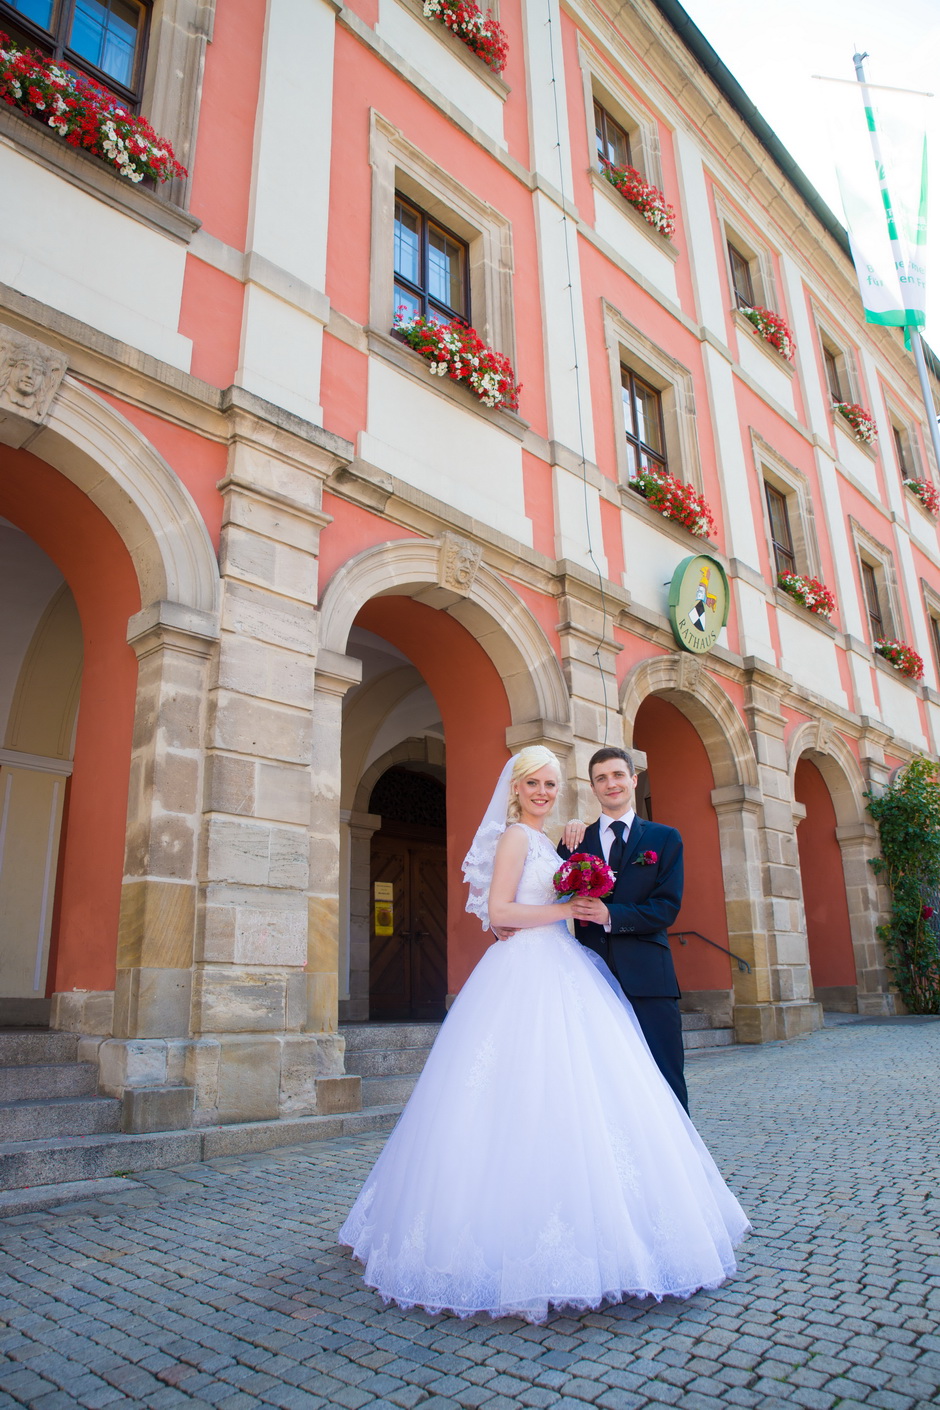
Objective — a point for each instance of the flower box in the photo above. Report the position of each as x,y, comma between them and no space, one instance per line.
772,329
647,199
459,353
675,500
902,657
927,493
862,422
482,33
85,114
808,592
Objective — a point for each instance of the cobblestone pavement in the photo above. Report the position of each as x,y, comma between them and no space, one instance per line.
221,1284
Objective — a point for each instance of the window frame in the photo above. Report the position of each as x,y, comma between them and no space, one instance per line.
931,601
398,165
758,258
879,560
422,291
642,450
784,554
736,257
793,486
628,346
608,119
52,44
627,110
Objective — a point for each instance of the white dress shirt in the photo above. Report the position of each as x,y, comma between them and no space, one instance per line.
608,834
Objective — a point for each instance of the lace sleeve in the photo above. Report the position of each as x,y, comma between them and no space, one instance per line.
478,870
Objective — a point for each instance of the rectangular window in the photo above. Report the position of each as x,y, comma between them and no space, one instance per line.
935,636
104,39
613,141
742,282
876,619
780,536
903,451
431,267
643,424
834,374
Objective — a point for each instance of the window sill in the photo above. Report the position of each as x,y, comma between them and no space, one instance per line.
841,425
778,359
790,604
931,518
882,665
461,51
635,502
405,359
661,242
93,176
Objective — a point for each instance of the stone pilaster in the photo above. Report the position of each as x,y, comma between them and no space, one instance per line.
255,1059
783,981
335,675
868,904
359,828
589,660
174,647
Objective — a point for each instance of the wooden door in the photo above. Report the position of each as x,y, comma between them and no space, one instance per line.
408,968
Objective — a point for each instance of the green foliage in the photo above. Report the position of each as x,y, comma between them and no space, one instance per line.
908,818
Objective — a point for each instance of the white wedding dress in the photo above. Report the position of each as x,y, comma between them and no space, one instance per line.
542,1160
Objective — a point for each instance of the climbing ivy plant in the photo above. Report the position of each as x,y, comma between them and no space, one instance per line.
908,818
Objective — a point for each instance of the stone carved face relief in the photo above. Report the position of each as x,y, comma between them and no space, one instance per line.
30,375
462,562
24,381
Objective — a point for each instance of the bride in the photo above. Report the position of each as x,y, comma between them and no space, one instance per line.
542,1160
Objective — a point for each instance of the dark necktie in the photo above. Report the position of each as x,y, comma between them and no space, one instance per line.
616,847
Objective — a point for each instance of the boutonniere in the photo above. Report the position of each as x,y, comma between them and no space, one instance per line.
647,859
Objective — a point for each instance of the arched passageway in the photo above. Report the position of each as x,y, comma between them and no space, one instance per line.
676,789
825,904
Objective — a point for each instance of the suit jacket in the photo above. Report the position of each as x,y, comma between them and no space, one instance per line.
643,904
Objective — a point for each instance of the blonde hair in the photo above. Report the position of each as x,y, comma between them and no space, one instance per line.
526,762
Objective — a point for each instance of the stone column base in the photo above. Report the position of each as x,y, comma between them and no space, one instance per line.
880,1005
174,1083
769,1023
83,1011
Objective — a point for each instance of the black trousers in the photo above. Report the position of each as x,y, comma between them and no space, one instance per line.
661,1023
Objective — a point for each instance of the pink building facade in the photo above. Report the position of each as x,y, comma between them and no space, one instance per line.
281,600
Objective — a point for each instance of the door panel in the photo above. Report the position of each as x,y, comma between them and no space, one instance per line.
408,969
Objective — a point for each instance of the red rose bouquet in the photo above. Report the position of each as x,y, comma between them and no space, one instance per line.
583,875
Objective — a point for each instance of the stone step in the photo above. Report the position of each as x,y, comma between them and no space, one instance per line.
47,1079
691,1022
386,1091
65,1116
388,1035
386,1062
708,1038
26,1165
26,1046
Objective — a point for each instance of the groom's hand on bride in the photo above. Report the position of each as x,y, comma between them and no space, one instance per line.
592,909
573,834
503,932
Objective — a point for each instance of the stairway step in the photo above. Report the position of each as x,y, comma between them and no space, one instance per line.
388,1035
386,1062
693,1021
386,1091
31,1164
65,1116
709,1038
47,1079
26,1046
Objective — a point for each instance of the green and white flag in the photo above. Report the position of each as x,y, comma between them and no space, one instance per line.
885,202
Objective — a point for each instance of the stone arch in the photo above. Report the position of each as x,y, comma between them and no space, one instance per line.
107,457
838,766
486,606
701,699
423,750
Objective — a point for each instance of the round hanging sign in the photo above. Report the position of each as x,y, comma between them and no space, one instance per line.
698,602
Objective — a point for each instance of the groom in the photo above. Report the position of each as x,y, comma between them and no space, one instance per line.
628,927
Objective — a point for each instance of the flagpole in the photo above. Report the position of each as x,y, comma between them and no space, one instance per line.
899,256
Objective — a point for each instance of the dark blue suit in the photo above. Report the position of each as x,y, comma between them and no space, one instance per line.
643,904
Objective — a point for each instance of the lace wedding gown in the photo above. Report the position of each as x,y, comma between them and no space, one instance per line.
542,1159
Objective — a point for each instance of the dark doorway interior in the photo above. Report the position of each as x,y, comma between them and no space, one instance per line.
408,943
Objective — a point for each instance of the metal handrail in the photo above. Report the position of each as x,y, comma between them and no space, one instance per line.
680,935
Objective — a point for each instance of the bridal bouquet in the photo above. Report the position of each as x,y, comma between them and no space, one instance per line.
583,875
